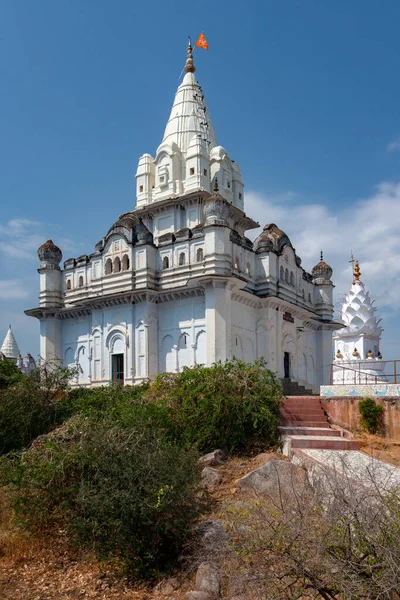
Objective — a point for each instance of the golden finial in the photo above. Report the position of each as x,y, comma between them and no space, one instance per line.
339,355
189,66
356,354
357,272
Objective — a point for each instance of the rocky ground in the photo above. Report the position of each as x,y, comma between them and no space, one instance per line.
49,570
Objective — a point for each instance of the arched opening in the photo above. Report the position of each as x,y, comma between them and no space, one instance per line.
291,278
182,258
108,267
282,274
165,262
287,275
68,284
117,264
247,268
199,254
80,281
125,262
237,264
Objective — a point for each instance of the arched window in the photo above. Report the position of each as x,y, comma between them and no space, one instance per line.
287,275
80,281
68,284
199,254
309,297
125,262
182,258
108,268
237,264
291,278
303,294
282,274
247,268
165,262
117,264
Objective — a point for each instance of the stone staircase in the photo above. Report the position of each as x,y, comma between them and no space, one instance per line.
292,388
305,425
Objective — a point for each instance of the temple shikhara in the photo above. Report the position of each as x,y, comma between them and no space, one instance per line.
176,282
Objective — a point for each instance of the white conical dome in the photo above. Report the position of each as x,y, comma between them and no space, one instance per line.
10,347
358,313
189,117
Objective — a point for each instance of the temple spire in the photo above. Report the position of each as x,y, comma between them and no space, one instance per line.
189,66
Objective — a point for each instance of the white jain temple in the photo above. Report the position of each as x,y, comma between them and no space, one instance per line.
176,282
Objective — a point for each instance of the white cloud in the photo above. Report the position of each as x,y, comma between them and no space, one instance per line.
394,145
13,289
369,227
22,237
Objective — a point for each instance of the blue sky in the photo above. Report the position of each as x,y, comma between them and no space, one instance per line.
303,94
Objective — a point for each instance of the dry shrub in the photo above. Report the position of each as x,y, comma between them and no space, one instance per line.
337,541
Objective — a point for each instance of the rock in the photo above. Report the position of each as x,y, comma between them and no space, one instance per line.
197,596
277,479
208,580
210,478
213,533
212,459
167,586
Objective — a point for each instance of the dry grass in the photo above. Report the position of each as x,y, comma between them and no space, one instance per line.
379,447
48,569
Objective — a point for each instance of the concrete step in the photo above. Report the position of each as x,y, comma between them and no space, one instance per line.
314,431
309,415
322,442
301,410
300,423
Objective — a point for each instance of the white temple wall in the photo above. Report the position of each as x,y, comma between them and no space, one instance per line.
243,336
181,334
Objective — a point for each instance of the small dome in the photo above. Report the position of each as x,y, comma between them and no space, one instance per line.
322,270
216,208
272,238
49,254
218,153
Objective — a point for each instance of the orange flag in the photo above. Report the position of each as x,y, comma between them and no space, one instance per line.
202,42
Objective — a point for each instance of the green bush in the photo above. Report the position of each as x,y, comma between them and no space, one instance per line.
9,374
371,415
125,492
30,407
230,405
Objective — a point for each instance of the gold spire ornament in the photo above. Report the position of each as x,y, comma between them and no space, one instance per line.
189,66
357,272
339,355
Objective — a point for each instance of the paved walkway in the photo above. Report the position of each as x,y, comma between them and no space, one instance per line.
357,466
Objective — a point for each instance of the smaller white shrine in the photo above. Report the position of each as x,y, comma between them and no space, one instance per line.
10,351
357,358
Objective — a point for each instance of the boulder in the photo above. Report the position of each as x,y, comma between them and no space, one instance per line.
208,579
277,479
197,596
210,478
212,459
213,533
167,586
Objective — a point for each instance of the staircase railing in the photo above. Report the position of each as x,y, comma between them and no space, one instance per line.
358,374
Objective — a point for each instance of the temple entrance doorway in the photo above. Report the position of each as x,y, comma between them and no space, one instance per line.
286,365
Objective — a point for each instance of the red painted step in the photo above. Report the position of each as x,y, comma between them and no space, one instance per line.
305,425
322,443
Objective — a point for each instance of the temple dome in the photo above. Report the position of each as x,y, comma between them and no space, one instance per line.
322,270
358,312
10,347
49,254
272,238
